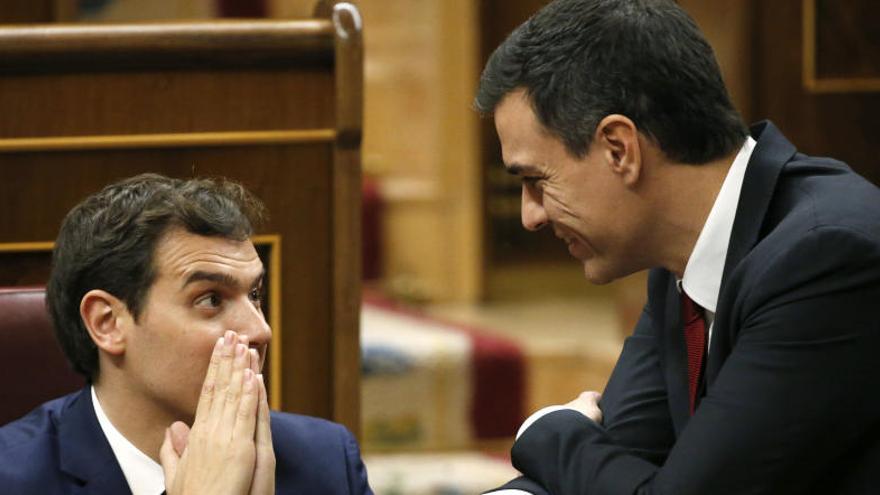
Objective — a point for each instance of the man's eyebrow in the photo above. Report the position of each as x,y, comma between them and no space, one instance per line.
220,278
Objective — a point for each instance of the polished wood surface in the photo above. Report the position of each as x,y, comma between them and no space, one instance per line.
180,140
835,122
209,43
346,207
841,49
274,105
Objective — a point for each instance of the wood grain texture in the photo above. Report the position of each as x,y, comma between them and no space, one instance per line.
346,180
839,124
73,47
166,101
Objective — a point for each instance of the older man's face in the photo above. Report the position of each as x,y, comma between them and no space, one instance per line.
579,198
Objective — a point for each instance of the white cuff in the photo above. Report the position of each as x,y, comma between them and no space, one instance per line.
540,414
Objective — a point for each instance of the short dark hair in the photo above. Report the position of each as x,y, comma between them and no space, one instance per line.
581,60
108,240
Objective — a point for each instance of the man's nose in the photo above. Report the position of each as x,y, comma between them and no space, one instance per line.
251,322
532,209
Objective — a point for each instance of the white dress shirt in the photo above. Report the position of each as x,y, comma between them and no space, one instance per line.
143,474
705,266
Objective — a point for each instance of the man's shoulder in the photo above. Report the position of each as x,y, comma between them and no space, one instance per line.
34,427
317,432
817,192
316,455
29,446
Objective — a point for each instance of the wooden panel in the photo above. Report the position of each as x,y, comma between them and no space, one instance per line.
24,266
346,207
839,124
168,101
841,45
19,11
54,48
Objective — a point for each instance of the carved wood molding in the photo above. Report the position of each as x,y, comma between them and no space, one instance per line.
812,81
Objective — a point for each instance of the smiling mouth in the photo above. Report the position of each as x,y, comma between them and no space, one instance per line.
575,248
567,240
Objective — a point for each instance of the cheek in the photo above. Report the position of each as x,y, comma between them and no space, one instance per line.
559,204
199,356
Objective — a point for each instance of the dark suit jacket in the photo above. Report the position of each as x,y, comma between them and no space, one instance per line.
59,448
791,398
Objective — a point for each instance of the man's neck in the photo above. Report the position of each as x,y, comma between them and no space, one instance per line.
136,417
685,195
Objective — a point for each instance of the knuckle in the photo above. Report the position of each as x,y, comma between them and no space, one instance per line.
232,397
244,413
207,389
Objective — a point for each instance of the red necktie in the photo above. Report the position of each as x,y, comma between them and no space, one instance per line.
695,339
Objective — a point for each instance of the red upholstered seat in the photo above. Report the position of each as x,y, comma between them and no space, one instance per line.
32,366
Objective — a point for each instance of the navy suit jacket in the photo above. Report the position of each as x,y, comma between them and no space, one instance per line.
791,395
59,448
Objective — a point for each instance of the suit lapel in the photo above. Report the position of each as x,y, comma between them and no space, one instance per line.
771,153
84,451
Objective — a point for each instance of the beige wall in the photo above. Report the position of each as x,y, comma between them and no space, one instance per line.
420,140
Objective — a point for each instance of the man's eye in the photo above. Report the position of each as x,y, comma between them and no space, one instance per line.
256,295
211,300
532,181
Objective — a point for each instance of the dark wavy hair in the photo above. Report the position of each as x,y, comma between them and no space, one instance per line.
108,240
581,60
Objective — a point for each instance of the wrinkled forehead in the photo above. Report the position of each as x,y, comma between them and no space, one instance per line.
179,254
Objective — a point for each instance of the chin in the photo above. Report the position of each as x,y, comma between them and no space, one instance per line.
596,274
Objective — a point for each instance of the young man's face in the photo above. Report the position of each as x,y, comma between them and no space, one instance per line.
582,200
203,287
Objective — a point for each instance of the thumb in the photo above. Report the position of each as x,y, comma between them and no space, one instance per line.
169,458
179,434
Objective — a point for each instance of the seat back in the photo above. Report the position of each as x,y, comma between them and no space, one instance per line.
31,362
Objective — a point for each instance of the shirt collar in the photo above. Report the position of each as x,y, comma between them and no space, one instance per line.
705,267
143,474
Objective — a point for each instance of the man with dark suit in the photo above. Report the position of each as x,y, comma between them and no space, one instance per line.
155,296
753,367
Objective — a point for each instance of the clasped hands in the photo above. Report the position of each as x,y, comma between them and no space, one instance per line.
228,450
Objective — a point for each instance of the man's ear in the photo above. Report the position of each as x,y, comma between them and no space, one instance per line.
106,319
619,139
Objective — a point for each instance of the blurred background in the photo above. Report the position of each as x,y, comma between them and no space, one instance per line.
469,322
